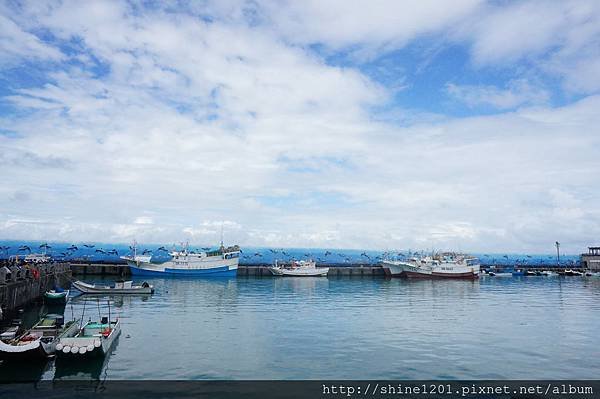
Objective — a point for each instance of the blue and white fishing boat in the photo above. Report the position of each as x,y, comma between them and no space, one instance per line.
219,262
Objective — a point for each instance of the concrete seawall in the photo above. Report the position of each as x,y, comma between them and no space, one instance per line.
103,269
99,269
30,286
358,270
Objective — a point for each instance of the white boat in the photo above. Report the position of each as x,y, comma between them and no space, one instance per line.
120,287
302,268
39,342
93,339
220,262
440,266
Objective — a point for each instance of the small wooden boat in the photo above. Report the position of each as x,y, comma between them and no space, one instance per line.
120,287
54,297
93,339
299,269
39,342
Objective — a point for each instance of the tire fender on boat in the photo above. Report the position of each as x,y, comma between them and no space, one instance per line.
59,347
66,349
97,343
74,349
90,347
82,350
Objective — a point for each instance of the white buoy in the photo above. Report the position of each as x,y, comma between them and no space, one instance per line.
82,350
97,343
90,347
67,349
74,349
59,347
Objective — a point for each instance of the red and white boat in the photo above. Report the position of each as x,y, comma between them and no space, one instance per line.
439,266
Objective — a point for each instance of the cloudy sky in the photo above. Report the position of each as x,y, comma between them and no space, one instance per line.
344,124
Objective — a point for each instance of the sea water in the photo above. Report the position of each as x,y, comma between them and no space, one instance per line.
344,328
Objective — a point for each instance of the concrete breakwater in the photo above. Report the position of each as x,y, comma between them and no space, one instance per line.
20,286
122,270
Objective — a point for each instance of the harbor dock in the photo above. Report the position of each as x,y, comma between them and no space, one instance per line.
21,285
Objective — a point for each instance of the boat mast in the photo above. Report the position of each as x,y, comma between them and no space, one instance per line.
222,246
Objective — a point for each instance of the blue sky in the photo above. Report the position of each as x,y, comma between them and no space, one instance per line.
302,124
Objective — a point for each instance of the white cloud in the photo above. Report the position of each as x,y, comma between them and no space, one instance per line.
173,126
517,93
17,44
561,38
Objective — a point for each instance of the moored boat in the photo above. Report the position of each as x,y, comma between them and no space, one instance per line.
39,342
56,296
93,339
300,268
120,287
220,262
446,265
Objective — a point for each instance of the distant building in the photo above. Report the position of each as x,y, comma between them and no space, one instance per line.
591,260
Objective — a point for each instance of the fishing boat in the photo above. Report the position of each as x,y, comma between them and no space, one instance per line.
302,268
56,296
120,287
39,342
446,265
92,339
219,262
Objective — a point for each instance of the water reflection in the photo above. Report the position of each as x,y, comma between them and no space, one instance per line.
93,368
24,371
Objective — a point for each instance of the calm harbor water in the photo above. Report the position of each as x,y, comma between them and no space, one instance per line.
347,328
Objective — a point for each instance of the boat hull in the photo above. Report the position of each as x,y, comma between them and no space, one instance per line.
222,271
407,270
35,351
64,346
321,272
56,298
89,289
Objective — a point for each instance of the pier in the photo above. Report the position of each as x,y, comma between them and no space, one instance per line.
23,284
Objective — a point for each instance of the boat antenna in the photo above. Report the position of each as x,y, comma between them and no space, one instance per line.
108,300
82,313
99,314
222,236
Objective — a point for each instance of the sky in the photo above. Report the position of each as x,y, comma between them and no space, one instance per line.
469,126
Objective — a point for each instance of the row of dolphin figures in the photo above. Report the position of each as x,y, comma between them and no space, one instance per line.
259,256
